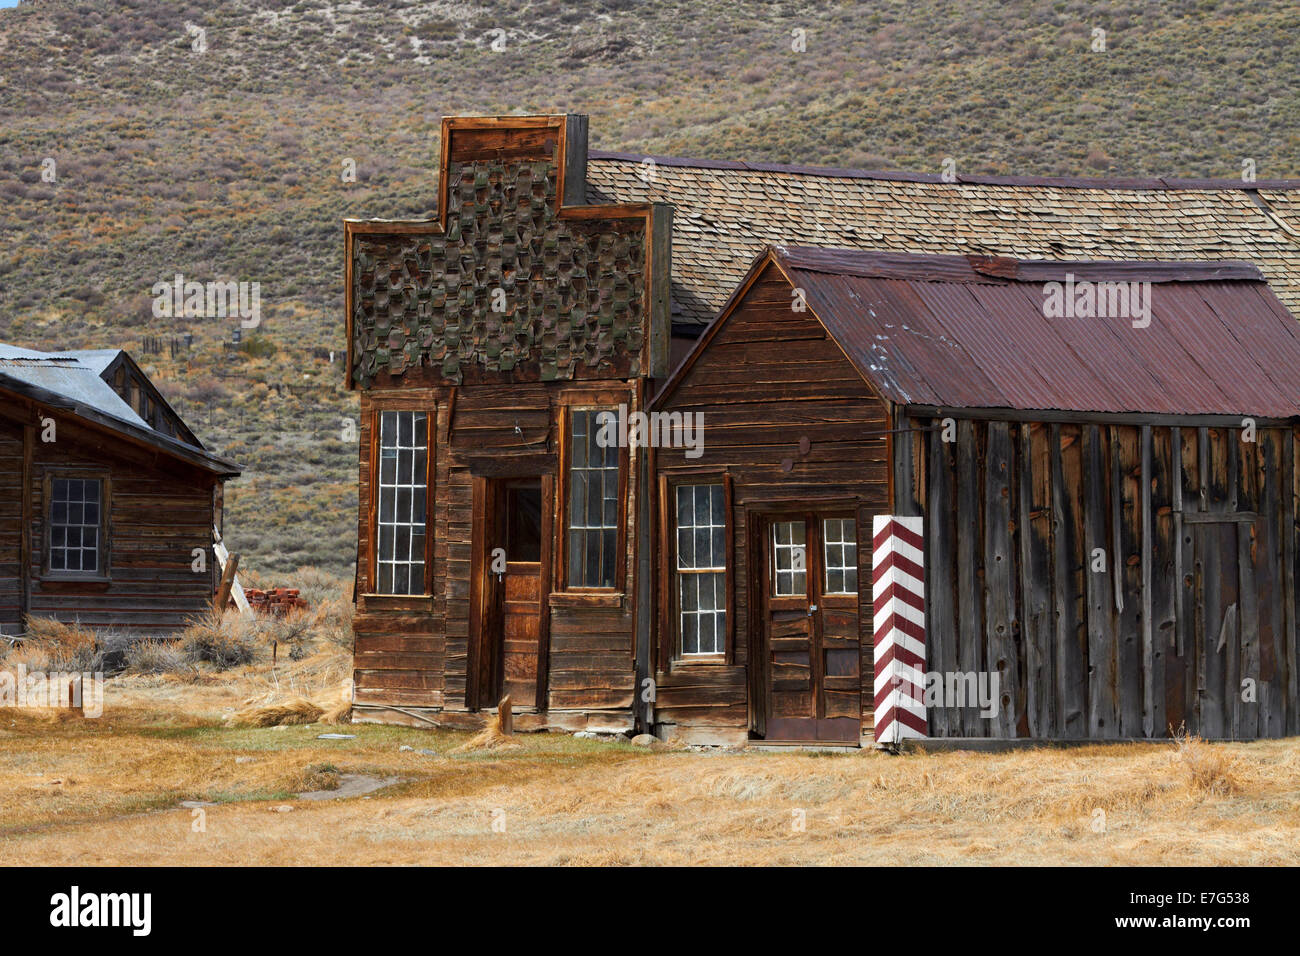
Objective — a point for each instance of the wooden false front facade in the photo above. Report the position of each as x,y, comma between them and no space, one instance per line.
486,344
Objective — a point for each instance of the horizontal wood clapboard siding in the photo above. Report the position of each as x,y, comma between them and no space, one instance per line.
11,484
423,658
769,378
160,511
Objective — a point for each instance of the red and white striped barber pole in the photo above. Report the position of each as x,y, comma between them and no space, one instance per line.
898,597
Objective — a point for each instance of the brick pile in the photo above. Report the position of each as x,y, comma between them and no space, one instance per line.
277,601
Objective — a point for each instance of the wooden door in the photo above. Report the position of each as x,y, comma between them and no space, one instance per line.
513,639
1217,685
810,615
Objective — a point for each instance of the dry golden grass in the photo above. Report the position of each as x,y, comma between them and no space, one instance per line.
295,710
107,791
49,645
489,738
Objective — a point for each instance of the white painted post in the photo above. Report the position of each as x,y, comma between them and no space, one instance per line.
898,599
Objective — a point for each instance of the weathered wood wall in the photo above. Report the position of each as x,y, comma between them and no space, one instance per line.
160,511
418,652
11,485
1123,580
770,378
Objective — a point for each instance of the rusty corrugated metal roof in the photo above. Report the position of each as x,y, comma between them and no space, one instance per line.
969,332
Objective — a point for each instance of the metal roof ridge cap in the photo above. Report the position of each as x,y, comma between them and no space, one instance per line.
1028,271
1135,183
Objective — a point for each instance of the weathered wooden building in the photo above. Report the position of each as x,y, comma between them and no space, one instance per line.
722,592
104,495
1109,500
497,540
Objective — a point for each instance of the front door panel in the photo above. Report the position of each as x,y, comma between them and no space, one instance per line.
515,596
810,613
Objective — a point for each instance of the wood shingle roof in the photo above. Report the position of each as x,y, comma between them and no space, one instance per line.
727,212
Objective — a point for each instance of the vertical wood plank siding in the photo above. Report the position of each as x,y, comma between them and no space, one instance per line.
1123,580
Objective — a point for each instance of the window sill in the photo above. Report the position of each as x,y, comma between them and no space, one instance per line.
701,660
614,599
397,602
99,579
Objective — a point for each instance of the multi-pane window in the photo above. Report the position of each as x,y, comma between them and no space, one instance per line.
593,501
702,568
840,544
75,524
790,554
402,505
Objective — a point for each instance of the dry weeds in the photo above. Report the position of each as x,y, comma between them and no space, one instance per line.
108,791
295,710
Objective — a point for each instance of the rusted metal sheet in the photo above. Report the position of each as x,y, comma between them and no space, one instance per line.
943,331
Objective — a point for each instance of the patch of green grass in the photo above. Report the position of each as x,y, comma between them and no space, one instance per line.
247,796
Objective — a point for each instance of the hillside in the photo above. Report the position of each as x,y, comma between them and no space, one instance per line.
225,162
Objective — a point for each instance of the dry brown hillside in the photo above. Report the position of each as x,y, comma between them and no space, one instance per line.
208,139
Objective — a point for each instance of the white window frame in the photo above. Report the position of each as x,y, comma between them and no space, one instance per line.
696,573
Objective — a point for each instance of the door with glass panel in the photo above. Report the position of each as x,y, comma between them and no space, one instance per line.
810,618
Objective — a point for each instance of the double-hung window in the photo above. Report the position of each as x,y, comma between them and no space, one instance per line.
401,507
593,506
701,549
76,524
840,547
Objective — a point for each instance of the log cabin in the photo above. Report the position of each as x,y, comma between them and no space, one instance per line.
504,549
106,496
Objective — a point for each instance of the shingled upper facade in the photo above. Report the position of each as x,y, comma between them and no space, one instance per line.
875,344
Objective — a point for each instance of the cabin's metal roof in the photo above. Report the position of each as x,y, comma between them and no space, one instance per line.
725,213
69,375
972,332
72,381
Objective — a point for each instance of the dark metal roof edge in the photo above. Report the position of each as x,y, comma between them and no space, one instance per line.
179,450
1067,416
888,264
1061,182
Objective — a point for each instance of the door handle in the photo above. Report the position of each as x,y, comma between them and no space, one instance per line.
811,608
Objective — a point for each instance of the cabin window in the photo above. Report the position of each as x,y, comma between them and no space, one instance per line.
702,569
593,500
77,544
840,548
402,505
790,558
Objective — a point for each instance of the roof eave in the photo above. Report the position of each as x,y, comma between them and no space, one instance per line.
222,467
